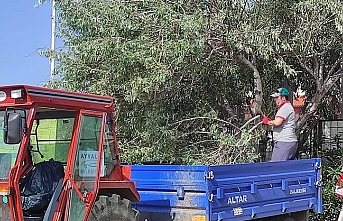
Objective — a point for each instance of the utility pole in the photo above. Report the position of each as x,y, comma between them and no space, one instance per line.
53,33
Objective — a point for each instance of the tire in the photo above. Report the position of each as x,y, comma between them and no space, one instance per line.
113,208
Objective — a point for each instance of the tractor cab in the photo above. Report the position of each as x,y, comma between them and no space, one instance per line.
58,154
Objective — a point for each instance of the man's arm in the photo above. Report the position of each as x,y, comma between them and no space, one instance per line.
276,122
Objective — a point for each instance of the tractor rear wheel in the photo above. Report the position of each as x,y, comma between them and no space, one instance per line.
113,208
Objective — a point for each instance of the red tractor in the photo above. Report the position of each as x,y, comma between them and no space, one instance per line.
59,158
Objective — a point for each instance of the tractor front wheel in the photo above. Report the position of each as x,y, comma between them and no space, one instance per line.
113,208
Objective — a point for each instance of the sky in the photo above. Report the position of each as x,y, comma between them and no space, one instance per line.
24,29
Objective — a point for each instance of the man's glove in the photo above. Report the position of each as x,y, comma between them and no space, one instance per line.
265,120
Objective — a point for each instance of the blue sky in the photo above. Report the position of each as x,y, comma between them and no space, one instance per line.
24,29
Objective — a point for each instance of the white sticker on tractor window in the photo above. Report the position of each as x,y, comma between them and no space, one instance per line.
87,163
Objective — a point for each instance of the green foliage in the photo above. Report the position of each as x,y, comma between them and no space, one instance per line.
179,70
331,203
233,150
246,29
170,61
125,48
172,97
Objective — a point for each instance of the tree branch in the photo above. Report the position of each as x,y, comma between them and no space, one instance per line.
308,69
338,61
207,118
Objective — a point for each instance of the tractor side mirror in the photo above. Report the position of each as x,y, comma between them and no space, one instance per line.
13,128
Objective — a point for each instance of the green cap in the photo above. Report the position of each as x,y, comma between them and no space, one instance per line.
280,92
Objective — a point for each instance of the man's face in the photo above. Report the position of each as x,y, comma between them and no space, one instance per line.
278,100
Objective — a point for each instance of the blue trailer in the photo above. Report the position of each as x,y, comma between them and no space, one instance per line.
260,191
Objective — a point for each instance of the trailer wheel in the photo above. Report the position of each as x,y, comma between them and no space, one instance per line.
113,208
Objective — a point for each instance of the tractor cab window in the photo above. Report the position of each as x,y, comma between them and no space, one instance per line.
85,167
109,144
51,135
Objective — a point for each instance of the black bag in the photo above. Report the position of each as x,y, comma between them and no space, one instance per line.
38,186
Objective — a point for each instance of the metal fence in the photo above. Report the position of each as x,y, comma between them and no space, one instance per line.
326,138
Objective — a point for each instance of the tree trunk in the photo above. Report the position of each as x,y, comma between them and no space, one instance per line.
256,106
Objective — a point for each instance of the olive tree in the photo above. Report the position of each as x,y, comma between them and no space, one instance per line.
175,103
297,40
179,69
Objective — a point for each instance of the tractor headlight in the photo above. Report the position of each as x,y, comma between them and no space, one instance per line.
19,93
2,96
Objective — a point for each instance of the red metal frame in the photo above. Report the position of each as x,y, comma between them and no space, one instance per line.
71,158
37,97
19,170
58,98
